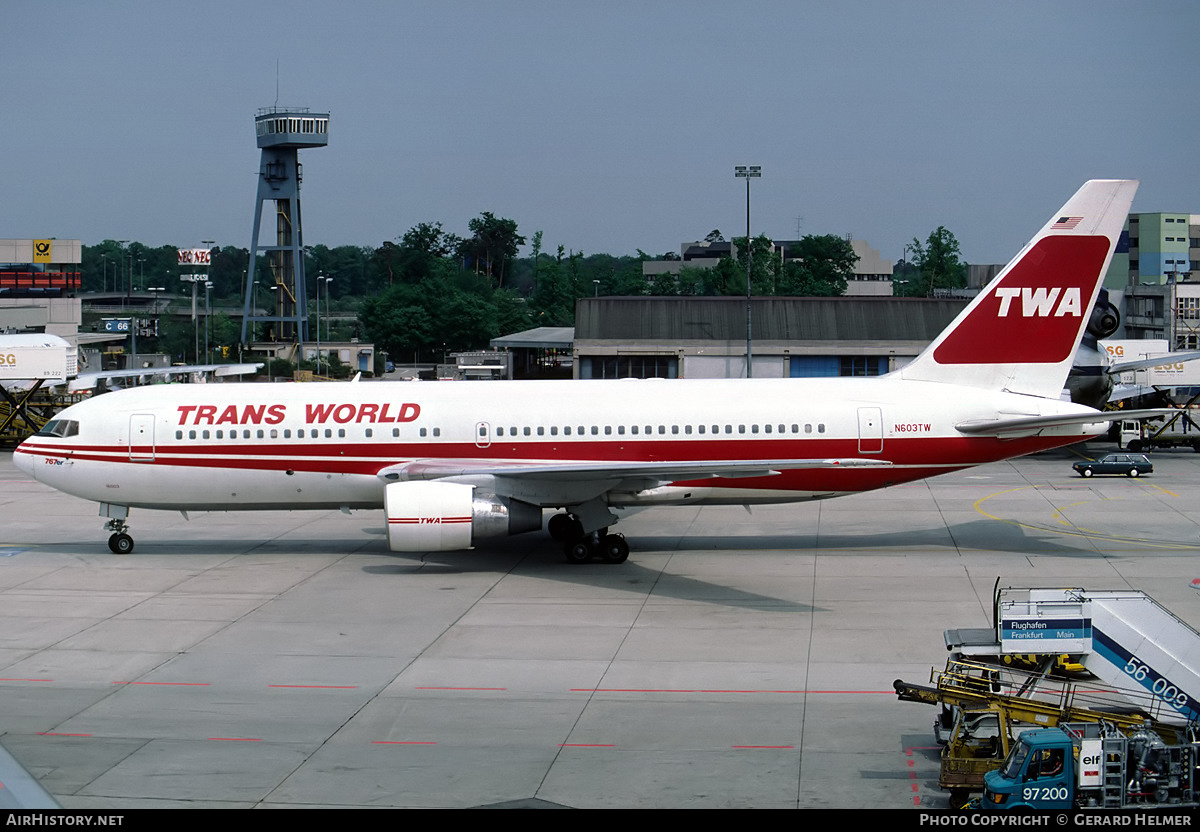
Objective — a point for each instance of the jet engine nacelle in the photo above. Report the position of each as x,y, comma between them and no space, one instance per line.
1105,318
447,516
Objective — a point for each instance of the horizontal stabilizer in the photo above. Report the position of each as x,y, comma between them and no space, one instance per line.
1159,361
1032,424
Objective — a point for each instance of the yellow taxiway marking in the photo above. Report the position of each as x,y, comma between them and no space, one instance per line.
1079,532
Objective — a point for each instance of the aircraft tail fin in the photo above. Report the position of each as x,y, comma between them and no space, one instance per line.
1020,333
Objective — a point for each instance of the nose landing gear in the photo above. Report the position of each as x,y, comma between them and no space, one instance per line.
119,542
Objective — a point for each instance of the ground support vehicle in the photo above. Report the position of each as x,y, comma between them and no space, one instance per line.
1084,766
1018,701
1180,430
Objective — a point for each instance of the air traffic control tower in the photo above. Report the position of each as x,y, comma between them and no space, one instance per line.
281,133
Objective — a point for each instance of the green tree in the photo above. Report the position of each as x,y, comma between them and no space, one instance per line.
821,266
493,244
762,265
938,264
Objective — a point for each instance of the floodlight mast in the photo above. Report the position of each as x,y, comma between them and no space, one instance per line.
748,172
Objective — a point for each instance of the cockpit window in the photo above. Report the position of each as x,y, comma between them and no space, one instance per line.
60,428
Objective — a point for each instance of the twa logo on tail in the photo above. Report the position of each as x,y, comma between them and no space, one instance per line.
1048,290
1037,303
1021,332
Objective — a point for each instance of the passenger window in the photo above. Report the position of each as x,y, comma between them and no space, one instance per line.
191,434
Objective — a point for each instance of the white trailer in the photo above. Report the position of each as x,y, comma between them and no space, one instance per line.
27,357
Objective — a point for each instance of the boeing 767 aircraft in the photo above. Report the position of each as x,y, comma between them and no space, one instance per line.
451,464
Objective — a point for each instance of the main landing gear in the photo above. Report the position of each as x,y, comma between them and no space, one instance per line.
119,542
580,546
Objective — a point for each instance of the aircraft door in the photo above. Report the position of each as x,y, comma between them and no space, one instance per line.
483,434
141,437
870,430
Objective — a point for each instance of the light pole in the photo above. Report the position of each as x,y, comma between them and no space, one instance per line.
117,280
320,277
748,172
326,279
207,318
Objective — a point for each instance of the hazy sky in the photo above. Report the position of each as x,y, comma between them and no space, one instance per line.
610,126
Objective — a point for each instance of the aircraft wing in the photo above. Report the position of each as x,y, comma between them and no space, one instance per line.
20,790
88,381
430,469
1030,425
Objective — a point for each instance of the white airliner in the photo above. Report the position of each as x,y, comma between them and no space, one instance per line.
453,463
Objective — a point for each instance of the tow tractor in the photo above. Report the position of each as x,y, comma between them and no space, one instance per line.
1094,766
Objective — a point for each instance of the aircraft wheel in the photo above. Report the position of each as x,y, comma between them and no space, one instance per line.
563,527
1086,472
1133,472
120,544
578,552
614,549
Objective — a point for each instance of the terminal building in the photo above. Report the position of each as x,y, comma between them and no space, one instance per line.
705,337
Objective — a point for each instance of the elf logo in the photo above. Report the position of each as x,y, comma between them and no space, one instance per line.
1038,302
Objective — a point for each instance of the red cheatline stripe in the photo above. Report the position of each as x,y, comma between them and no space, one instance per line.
424,521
